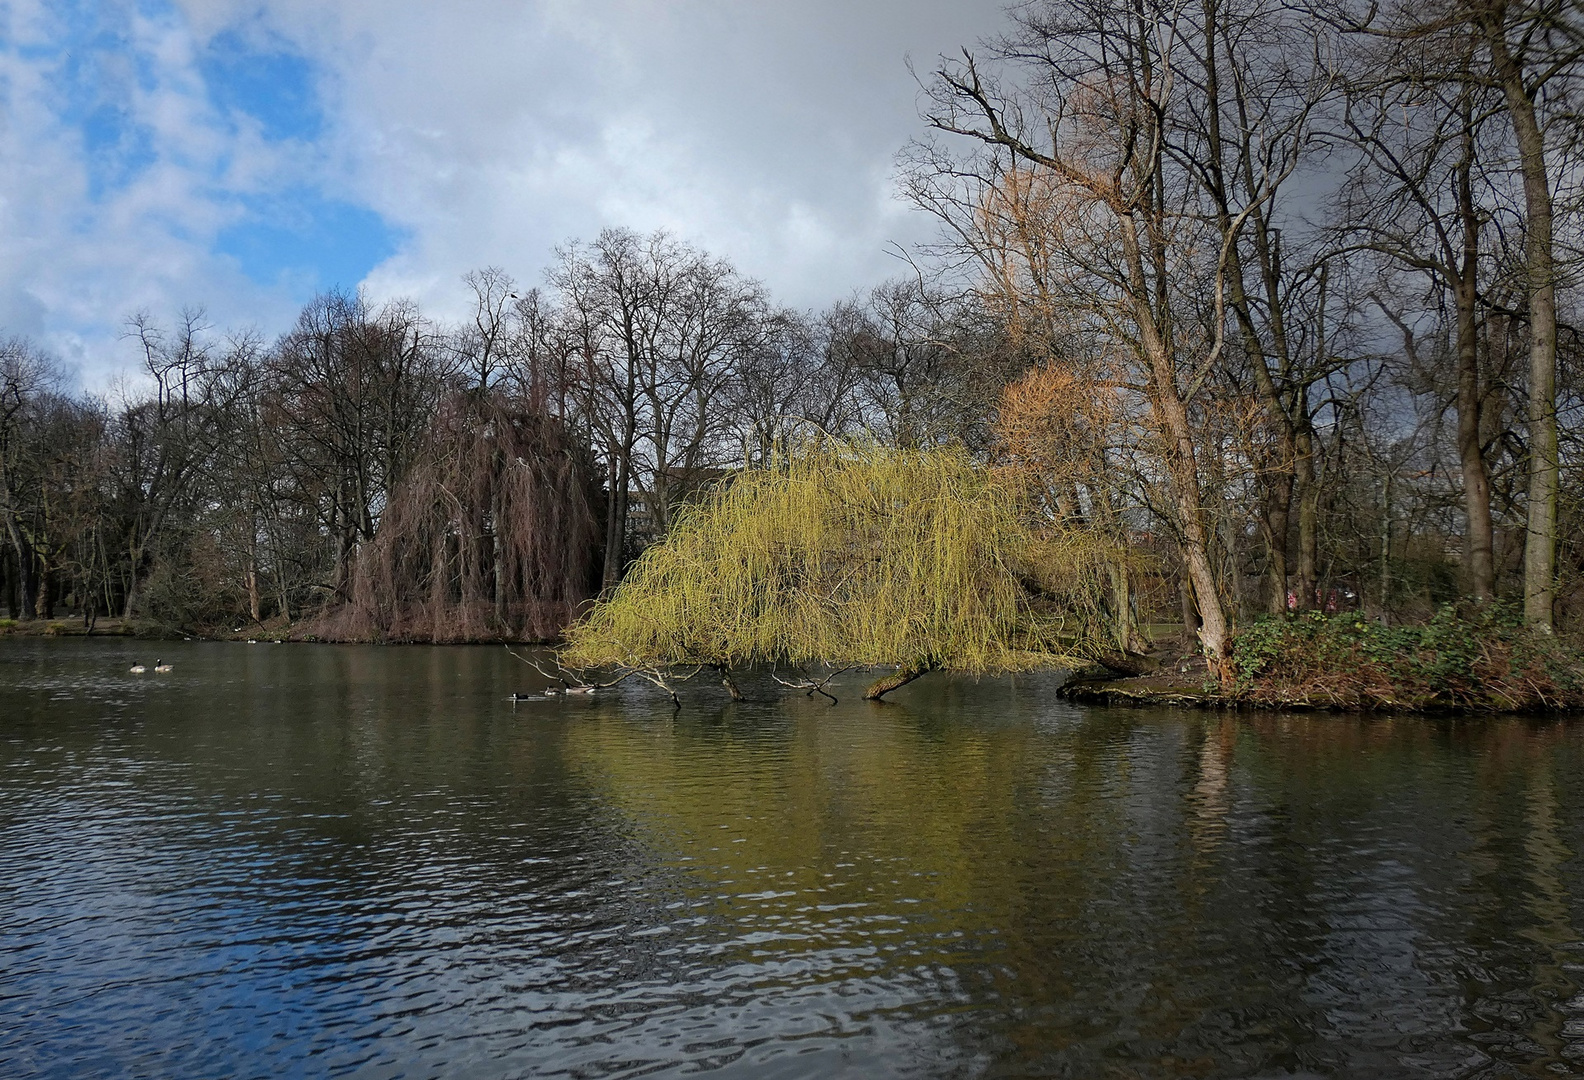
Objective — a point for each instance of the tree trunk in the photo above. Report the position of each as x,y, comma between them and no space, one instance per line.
1386,543
1171,416
1540,540
1279,476
27,583
1276,520
1190,613
899,678
1307,580
1479,543
615,522
255,605
1127,632
498,551
134,559
729,683
44,603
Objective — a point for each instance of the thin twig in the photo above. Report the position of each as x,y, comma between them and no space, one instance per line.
578,685
813,687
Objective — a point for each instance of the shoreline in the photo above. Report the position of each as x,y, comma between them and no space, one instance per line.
116,627
1182,682
1148,691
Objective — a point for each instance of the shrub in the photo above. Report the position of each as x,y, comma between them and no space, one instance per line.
1479,657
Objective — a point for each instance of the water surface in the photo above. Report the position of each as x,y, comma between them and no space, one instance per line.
321,860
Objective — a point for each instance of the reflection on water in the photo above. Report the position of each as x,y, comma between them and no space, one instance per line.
305,860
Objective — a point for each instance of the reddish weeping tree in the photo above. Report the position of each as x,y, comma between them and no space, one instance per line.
491,535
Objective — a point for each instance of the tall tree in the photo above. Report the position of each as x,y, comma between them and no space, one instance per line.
1094,115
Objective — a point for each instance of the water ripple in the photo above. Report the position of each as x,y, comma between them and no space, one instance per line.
362,862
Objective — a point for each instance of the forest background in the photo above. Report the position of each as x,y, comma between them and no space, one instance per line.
1280,299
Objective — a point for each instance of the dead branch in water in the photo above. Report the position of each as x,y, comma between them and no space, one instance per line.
561,672
811,685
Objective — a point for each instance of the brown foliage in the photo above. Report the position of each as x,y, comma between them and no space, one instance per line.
490,536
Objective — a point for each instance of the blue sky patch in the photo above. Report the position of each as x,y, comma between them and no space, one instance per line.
96,73
292,235
276,88
299,235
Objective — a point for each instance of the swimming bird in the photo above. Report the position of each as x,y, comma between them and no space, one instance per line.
521,697
160,665
580,689
137,669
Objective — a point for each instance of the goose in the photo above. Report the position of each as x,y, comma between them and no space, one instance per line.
161,666
137,669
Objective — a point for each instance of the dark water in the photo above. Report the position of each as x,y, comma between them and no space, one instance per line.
310,861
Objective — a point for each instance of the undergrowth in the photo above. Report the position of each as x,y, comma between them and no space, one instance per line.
1476,657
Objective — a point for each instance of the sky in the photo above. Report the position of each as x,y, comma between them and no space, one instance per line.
240,155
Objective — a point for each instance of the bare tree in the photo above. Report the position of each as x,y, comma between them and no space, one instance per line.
1527,51
1093,116
493,291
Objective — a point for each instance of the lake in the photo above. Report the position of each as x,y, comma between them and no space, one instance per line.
307,860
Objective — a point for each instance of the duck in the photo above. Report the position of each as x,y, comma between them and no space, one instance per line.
551,691
161,666
520,697
137,669
580,689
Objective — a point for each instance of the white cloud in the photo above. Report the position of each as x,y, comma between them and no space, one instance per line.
74,262
487,132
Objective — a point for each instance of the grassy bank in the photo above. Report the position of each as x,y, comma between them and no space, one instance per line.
71,628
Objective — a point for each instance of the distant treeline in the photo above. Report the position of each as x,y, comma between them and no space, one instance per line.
1283,297
391,476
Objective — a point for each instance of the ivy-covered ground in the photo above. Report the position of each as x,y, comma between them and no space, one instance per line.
1468,658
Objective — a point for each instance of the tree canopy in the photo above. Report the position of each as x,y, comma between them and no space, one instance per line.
855,555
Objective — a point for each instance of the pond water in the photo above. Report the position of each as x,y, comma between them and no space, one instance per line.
318,860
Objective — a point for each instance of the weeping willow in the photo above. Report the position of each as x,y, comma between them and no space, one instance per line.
488,537
855,555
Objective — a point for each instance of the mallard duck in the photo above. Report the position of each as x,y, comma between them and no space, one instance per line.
161,666
137,669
